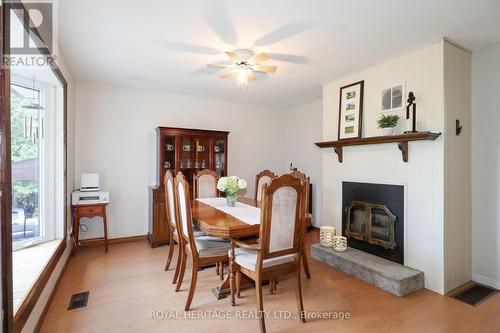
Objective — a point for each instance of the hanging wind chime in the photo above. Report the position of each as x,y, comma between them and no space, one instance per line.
33,123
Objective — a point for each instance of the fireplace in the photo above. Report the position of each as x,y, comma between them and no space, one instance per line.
373,219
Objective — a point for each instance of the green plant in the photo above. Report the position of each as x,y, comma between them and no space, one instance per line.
387,121
26,196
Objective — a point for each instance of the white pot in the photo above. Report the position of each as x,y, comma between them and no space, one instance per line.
388,130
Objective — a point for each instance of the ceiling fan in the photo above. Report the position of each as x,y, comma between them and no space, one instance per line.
245,64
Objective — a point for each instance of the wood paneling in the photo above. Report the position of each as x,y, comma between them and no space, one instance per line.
422,72
457,168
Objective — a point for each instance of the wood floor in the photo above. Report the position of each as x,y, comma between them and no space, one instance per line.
128,283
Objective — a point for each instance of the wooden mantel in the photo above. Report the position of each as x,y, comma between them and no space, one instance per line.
401,139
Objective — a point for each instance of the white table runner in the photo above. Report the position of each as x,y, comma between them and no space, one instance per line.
243,212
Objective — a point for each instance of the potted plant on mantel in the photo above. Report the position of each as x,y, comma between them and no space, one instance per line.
387,123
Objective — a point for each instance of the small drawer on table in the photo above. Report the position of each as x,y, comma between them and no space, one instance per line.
91,210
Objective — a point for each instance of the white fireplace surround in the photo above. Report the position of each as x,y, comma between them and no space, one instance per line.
428,186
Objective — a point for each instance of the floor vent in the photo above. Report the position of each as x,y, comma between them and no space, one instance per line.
78,300
475,294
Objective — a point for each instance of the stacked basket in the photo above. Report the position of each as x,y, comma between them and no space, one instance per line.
327,238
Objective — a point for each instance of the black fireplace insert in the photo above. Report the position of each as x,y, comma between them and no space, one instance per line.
373,219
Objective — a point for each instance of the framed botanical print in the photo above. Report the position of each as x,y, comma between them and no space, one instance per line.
351,111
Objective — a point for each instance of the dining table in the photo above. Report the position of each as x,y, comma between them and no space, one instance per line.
215,218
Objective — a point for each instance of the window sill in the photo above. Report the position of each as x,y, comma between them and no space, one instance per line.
31,297
27,264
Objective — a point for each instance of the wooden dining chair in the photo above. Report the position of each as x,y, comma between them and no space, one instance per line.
305,179
279,250
307,217
263,177
202,250
172,226
205,184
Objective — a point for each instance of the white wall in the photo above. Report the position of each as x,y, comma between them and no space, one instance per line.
422,176
486,166
303,126
115,138
457,168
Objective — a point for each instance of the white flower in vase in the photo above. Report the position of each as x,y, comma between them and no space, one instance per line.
242,184
231,185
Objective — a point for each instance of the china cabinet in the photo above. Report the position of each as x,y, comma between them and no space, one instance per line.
186,150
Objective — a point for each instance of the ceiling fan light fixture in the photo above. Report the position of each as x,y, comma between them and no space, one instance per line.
242,77
245,64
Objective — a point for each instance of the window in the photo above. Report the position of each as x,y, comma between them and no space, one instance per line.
32,153
34,139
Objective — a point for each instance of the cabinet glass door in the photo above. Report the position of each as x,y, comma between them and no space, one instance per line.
194,155
169,153
220,156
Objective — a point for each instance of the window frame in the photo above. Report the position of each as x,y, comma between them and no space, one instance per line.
16,323
49,221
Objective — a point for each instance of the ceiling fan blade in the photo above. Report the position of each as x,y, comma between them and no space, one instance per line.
291,58
258,58
216,66
218,20
251,75
265,69
232,56
228,73
187,48
283,32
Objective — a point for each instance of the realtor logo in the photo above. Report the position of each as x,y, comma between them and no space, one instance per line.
32,34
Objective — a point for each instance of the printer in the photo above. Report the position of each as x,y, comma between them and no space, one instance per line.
90,192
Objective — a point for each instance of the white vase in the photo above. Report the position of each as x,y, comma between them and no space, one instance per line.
388,130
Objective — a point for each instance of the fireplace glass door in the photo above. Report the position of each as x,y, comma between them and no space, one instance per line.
380,227
371,223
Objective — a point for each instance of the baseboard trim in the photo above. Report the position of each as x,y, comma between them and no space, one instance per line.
41,319
486,281
100,241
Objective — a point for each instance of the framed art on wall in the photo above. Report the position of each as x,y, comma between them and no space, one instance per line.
392,98
350,111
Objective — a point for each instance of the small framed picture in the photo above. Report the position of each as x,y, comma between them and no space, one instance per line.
392,98
351,111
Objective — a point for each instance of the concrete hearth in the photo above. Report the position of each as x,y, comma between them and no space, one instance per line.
385,274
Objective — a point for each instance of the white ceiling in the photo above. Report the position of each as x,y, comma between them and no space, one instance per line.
165,44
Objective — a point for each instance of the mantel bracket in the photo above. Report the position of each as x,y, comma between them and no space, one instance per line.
338,151
403,146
